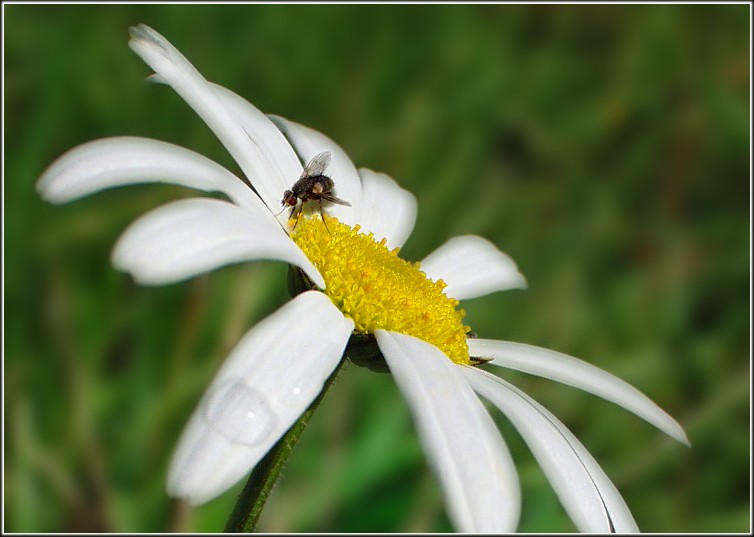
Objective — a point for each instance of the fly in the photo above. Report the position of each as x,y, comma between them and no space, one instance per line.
312,185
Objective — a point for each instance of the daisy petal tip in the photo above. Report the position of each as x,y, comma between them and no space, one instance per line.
516,280
145,40
187,490
674,430
139,38
520,283
45,192
134,32
680,435
175,488
199,475
137,31
142,32
51,186
120,257
124,258
122,265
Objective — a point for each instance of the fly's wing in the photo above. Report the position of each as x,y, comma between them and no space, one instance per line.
316,165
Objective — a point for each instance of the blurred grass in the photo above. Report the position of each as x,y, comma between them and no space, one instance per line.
603,147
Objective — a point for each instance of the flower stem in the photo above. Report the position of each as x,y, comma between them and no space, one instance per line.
250,502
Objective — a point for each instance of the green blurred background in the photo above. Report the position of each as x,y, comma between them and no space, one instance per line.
604,147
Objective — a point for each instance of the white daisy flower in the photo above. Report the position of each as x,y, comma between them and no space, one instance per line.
348,255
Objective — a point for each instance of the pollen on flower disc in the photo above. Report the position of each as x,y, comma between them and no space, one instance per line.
378,290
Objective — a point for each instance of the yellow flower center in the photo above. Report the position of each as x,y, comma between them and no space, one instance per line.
378,290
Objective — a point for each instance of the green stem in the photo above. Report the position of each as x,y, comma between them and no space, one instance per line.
250,502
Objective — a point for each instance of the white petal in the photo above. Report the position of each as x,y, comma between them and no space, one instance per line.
271,141
266,383
387,210
574,372
275,149
463,446
588,495
176,70
112,162
188,237
472,266
308,143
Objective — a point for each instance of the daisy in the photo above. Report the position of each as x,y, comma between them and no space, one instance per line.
356,285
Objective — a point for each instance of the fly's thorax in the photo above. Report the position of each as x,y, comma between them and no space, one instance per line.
312,187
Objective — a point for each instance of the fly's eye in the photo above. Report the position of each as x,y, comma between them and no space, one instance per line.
289,198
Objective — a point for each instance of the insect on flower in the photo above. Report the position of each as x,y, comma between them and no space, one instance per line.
312,185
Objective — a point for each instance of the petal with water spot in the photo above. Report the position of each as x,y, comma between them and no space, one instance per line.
264,386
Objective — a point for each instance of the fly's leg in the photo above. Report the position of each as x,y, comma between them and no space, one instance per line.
298,216
322,215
